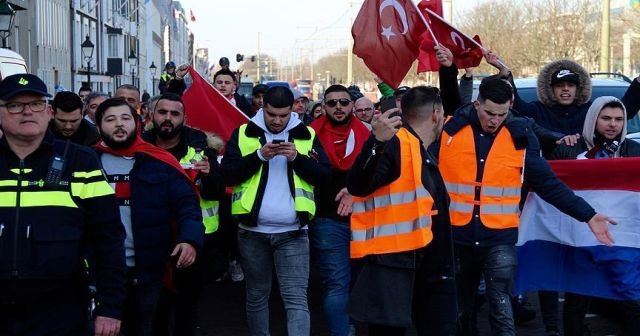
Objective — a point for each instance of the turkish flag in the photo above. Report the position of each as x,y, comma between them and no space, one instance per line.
386,35
433,5
208,110
466,53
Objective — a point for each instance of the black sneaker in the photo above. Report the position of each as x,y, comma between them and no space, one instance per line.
553,331
521,312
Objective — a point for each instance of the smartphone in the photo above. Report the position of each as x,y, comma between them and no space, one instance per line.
277,141
387,103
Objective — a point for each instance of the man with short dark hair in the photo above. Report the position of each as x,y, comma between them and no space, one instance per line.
400,228
274,163
68,122
342,137
226,83
257,95
55,203
485,157
84,92
158,207
190,147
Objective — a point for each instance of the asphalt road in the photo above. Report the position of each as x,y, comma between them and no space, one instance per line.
222,314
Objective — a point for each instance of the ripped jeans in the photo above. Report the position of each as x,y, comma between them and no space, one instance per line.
498,264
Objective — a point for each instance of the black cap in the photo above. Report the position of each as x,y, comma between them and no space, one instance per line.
260,89
14,85
401,90
565,75
224,61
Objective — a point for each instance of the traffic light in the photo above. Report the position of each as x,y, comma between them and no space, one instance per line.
253,58
239,58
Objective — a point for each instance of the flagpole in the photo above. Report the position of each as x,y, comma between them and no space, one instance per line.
484,50
425,22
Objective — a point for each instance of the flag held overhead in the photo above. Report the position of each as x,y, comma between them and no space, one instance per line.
386,36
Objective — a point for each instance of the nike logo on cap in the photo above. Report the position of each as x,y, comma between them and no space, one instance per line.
563,73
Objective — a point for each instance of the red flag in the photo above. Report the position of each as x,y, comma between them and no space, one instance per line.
386,35
208,110
193,17
466,53
433,5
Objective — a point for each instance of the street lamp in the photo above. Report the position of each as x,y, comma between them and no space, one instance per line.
133,60
87,54
153,68
7,16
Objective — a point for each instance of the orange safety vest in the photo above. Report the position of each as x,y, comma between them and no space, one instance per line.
500,184
397,216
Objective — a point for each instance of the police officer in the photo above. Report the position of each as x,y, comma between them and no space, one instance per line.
167,76
54,202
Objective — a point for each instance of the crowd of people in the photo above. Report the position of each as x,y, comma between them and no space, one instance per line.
403,206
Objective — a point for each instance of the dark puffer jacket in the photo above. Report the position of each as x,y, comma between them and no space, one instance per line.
568,119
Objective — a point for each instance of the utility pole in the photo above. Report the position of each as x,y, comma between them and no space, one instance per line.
258,62
604,38
350,48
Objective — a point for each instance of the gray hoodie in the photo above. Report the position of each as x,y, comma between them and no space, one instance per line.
277,211
592,115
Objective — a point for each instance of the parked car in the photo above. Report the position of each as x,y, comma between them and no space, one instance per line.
11,63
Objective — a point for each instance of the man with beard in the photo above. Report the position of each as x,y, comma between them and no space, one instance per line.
67,120
274,163
189,146
364,110
342,137
400,228
158,207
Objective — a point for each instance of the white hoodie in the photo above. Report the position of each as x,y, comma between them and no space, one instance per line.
277,212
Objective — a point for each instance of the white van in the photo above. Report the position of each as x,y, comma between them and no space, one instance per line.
11,63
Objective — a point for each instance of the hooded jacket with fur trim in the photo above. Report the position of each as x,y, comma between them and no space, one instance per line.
568,119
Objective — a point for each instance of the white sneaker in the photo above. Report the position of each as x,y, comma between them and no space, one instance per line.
235,269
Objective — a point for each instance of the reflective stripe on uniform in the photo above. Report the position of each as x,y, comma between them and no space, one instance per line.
460,207
91,189
387,200
391,229
459,188
501,209
497,191
37,198
299,192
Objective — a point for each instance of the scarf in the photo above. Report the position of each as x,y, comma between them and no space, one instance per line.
342,143
140,146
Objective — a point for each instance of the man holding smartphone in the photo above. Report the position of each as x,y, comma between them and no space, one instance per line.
274,163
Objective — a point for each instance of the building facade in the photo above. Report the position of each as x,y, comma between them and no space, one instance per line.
128,36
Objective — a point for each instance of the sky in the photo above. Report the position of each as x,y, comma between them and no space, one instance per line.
288,30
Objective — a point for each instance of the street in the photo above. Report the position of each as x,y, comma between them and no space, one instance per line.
222,314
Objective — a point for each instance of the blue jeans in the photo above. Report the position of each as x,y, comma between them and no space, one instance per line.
330,248
498,264
289,253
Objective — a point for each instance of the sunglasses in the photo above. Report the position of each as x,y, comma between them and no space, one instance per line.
333,102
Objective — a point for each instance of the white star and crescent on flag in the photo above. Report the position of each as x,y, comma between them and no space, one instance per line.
388,31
